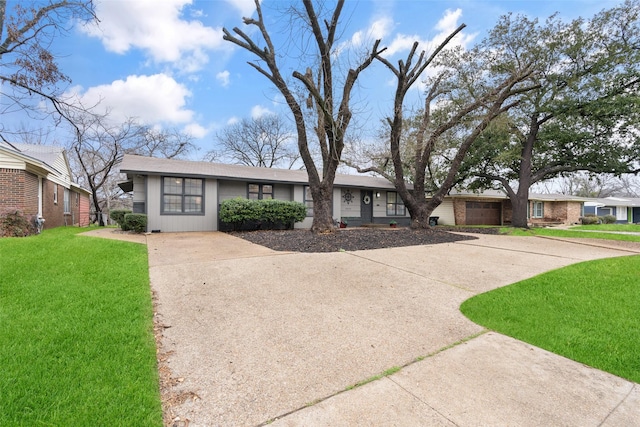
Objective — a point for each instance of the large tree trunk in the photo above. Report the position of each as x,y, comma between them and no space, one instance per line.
520,199
519,206
98,209
323,208
420,216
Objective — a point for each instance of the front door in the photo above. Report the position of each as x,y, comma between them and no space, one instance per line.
366,207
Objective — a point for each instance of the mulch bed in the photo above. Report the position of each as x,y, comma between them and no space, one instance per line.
354,239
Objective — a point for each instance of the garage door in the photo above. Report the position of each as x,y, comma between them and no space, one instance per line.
483,213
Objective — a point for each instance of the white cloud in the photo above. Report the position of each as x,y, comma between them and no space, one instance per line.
246,7
158,28
259,111
196,130
377,30
233,120
445,26
223,78
150,99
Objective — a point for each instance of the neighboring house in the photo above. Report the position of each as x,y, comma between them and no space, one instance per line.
551,209
37,180
626,210
180,195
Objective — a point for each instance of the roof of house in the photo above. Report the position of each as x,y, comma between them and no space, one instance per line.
132,164
554,197
614,201
42,159
46,154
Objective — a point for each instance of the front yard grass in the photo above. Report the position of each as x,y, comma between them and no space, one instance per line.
587,312
76,332
634,228
555,232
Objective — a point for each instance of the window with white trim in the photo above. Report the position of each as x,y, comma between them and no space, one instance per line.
182,195
538,210
55,194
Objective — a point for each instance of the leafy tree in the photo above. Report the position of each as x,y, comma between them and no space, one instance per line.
29,72
582,117
265,142
327,94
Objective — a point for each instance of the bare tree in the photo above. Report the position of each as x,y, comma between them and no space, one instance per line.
99,145
456,110
584,184
265,142
334,109
28,69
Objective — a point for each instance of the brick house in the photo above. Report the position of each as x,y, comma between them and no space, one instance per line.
37,180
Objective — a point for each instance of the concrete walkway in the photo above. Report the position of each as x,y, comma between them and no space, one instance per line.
262,336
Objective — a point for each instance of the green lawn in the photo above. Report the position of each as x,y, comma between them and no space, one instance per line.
554,232
588,312
634,228
76,332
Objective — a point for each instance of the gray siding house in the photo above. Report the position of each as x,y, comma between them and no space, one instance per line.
625,209
179,195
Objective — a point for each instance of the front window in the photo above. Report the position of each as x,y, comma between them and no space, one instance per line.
395,206
182,195
308,201
260,191
538,209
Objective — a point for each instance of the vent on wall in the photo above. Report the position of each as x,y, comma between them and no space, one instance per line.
139,207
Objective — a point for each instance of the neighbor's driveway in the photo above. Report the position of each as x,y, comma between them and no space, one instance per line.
258,335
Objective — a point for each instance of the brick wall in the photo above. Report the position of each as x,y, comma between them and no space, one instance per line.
507,212
84,211
53,213
19,191
30,194
460,211
558,212
574,212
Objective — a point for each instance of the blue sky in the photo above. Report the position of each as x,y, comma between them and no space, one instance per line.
165,63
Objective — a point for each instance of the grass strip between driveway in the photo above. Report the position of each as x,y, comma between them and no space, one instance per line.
587,312
576,233
76,332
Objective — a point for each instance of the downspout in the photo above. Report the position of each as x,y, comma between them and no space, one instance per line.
39,218
39,196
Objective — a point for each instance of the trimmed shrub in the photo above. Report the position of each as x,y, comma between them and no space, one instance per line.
261,214
13,223
118,216
135,222
589,219
608,219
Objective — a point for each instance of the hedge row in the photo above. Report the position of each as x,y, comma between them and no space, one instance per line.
593,219
255,214
129,221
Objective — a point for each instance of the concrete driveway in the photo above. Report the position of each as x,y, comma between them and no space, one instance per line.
262,336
